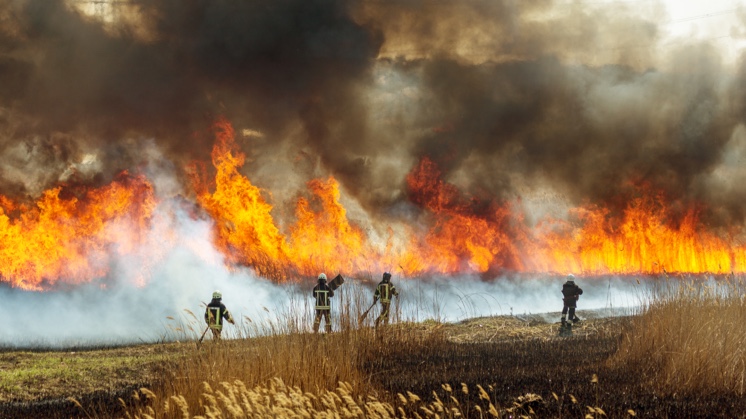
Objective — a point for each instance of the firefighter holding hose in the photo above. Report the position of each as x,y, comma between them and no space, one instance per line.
384,291
322,293
215,313
571,293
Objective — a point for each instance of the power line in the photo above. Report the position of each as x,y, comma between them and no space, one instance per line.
703,16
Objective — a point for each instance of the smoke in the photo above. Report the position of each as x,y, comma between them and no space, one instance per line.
582,99
502,95
454,299
90,316
72,85
115,310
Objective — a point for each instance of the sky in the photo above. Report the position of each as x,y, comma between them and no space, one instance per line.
716,20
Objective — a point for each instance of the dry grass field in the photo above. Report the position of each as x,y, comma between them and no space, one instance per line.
680,356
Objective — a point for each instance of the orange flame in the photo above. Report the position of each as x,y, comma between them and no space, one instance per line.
460,234
72,240
246,231
69,240
463,237
646,240
326,238
245,227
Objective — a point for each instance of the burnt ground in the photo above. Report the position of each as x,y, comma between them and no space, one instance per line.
62,408
526,373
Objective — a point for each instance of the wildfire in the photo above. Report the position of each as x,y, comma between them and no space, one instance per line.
458,233
326,238
71,238
245,228
647,240
469,235
322,240
466,234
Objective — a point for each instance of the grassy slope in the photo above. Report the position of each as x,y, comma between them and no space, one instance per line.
32,376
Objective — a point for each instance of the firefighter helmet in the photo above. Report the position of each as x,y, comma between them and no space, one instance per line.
386,276
322,277
216,295
570,278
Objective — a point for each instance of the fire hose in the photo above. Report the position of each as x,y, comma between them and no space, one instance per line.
206,329
365,313
203,334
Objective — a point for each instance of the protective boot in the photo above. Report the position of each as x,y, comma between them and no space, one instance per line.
565,328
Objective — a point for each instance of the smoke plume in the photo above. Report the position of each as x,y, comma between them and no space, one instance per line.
502,95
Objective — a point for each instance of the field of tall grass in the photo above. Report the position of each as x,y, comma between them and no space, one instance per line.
280,368
685,345
690,337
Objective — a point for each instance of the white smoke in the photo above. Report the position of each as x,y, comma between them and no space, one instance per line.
117,311
457,298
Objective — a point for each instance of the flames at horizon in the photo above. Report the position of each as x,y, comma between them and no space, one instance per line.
72,239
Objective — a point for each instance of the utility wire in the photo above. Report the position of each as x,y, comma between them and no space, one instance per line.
703,16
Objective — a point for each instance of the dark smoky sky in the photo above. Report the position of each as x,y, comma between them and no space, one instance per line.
502,95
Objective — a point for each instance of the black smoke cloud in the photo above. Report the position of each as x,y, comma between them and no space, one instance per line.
587,101
265,64
587,130
576,97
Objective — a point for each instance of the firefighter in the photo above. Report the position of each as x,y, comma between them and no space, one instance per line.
571,292
322,293
385,290
215,313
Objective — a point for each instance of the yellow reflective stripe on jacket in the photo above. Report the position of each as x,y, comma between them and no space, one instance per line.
384,290
215,317
322,300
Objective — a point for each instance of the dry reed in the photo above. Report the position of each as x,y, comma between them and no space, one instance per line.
278,400
280,369
690,337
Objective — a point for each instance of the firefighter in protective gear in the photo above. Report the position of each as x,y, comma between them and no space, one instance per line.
571,293
385,291
215,313
322,294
